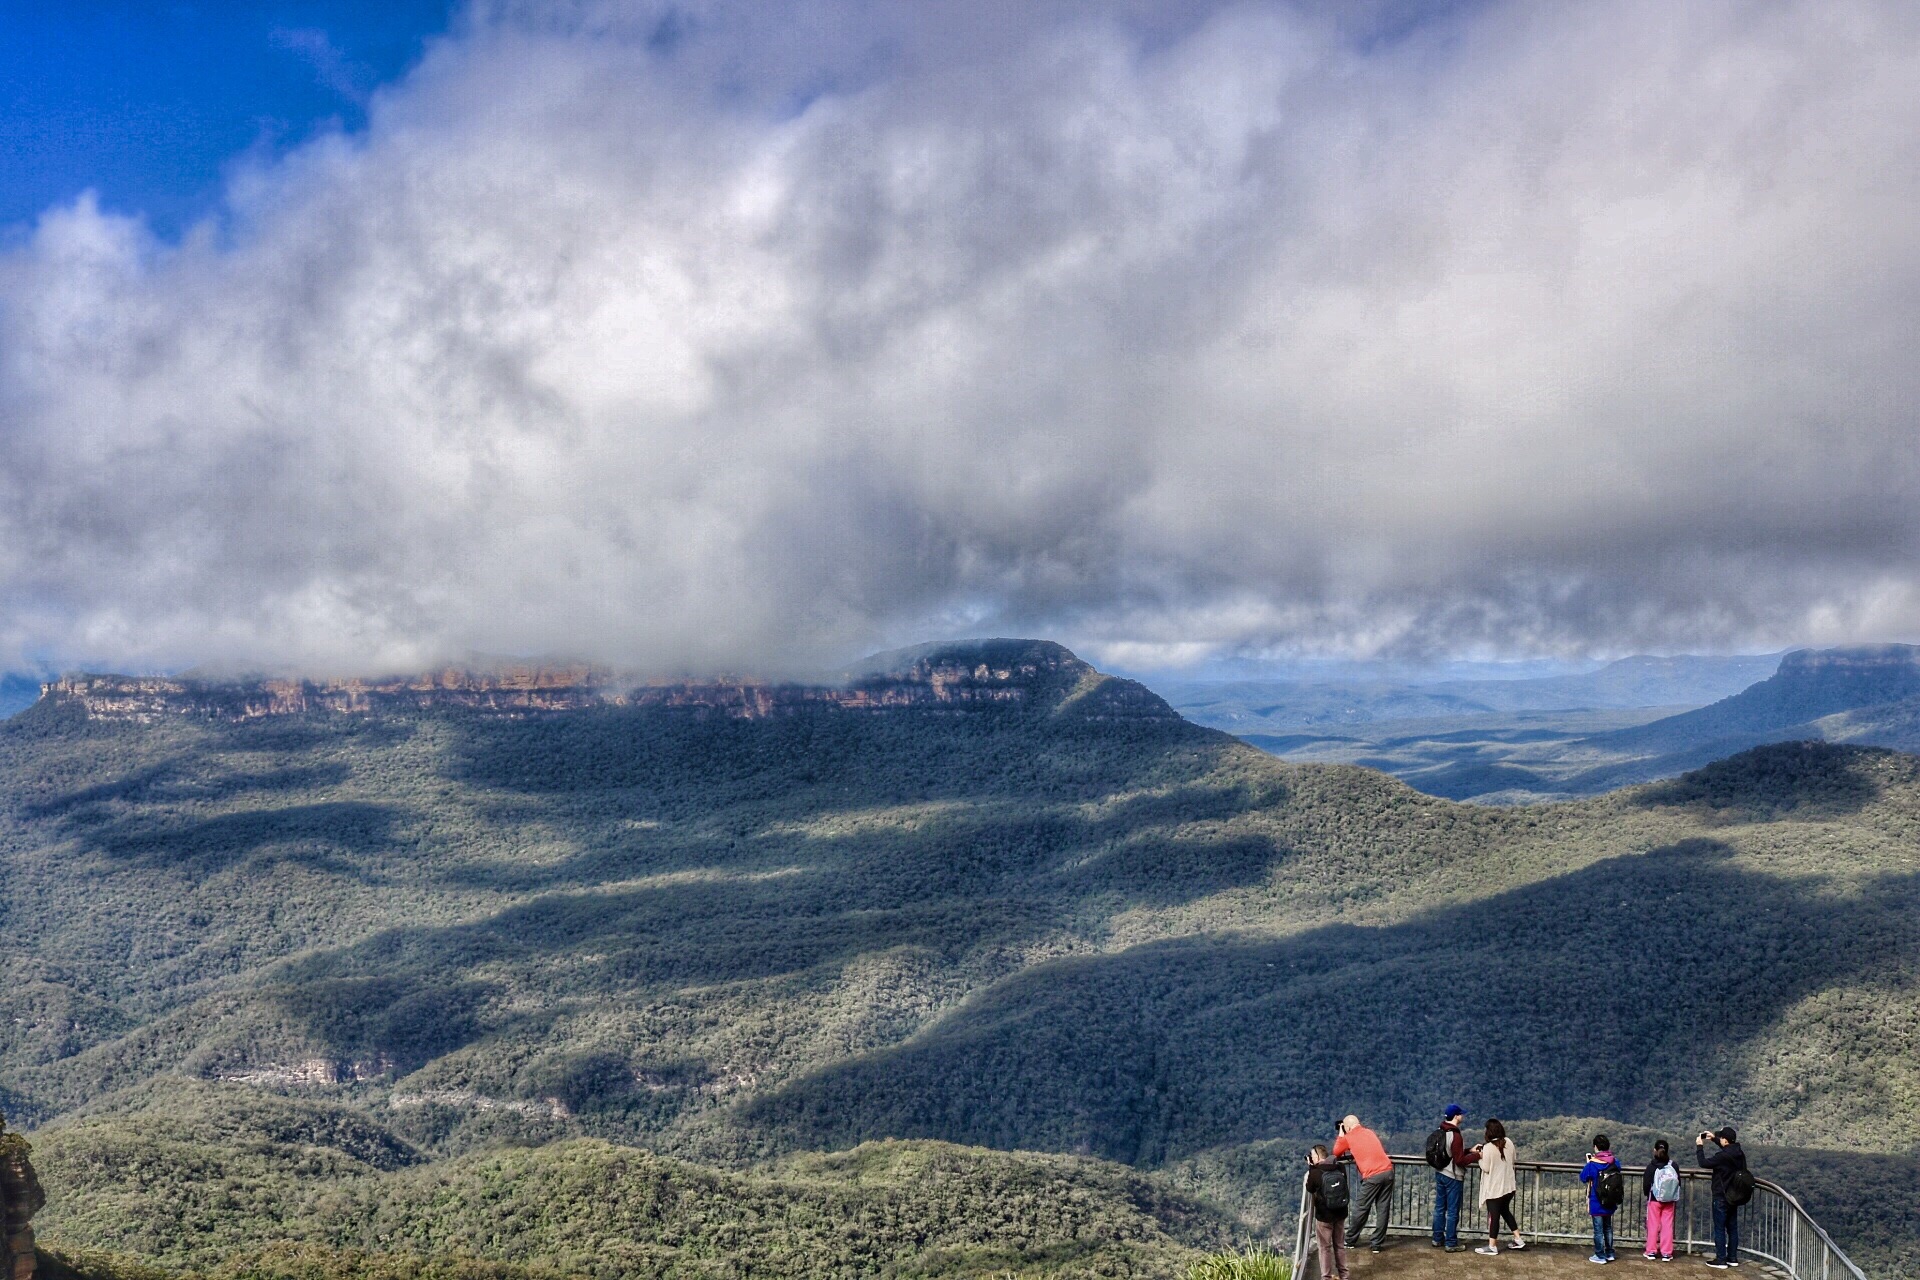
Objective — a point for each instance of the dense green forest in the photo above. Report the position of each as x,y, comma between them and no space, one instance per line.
480,953
210,1173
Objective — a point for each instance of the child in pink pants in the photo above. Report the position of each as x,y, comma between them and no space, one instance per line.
1662,1179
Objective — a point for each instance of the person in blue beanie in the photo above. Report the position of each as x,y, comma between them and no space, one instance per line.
1447,1153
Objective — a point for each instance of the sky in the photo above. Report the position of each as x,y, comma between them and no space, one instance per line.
714,335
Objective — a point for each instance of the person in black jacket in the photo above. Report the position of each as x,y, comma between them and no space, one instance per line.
1721,1153
1329,1223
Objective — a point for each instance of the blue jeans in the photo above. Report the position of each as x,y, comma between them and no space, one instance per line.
1726,1232
1603,1235
1446,1208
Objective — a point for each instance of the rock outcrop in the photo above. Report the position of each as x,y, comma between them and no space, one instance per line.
961,676
20,1198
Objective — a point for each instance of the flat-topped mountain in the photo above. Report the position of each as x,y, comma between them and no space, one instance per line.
1868,695
1809,685
957,675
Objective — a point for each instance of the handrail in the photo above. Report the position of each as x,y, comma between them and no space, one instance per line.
1552,1205
1303,1233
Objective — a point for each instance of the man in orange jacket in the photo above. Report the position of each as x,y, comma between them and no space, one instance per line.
1376,1180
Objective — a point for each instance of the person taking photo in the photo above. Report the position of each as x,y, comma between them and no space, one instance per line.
1732,1187
1376,1180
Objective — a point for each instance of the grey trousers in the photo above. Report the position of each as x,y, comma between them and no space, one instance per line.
1374,1191
1331,1238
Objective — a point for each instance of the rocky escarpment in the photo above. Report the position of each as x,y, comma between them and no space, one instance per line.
961,676
146,698
20,1198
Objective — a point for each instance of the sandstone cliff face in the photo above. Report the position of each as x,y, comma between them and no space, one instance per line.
148,698
958,677
20,1198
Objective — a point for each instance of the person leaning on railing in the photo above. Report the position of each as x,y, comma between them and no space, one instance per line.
1496,1158
1376,1180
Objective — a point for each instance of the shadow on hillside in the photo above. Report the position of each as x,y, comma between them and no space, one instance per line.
694,933
1466,779
1787,779
1619,989
314,835
172,782
948,884
1012,795
402,1020
1142,848
790,902
813,760
316,730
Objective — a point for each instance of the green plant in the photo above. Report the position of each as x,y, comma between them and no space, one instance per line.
1255,1263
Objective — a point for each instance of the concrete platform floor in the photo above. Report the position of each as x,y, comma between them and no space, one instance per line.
1407,1259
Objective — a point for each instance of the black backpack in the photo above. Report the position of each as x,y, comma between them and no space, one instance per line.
1438,1154
1740,1187
1332,1196
1611,1188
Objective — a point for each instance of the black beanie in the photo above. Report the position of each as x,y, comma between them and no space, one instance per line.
1726,1134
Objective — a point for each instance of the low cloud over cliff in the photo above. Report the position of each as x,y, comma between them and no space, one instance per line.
683,337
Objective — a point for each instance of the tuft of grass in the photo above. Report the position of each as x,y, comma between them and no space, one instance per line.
1256,1263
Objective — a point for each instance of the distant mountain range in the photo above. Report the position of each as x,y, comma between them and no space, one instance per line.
1835,694
1279,706
17,693
1549,738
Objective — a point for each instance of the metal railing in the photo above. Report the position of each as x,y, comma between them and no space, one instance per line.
1551,1205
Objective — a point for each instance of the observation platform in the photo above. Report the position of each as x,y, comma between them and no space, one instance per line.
1778,1239
1408,1258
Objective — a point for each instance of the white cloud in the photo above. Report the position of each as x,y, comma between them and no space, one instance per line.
725,342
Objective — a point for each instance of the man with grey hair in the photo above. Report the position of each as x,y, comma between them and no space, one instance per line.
1376,1180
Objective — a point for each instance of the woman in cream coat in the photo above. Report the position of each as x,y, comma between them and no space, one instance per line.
1496,1157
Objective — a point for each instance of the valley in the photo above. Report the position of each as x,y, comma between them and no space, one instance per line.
336,975
1524,741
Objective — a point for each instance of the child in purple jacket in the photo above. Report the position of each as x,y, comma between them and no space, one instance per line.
1604,1187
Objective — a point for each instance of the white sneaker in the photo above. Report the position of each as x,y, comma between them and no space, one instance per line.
1518,1243
1489,1250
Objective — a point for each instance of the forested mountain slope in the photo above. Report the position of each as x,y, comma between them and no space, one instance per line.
1064,920
1793,703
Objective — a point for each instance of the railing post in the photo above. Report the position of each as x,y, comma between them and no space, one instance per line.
1686,1206
1303,1231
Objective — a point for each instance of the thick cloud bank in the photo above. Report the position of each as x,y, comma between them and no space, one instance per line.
725,334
